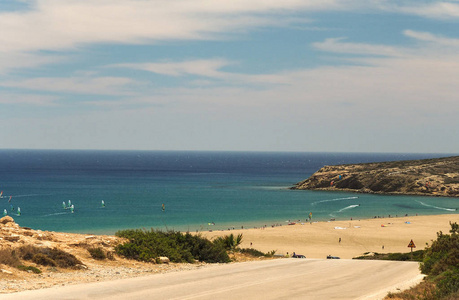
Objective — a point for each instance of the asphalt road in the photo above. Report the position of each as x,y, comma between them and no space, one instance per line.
272,279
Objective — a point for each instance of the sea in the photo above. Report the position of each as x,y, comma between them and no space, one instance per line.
187,190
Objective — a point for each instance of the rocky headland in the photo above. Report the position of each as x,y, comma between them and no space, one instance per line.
432,177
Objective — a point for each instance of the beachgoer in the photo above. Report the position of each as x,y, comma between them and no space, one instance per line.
339,240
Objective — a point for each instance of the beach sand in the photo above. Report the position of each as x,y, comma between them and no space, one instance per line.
319,239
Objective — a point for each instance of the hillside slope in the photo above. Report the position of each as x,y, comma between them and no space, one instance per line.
435,177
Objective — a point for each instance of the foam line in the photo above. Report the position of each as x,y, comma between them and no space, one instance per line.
336,199
437,207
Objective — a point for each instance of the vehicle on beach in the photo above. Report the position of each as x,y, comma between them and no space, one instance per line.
298,256
332,257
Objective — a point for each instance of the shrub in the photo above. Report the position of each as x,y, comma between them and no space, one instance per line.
97,253
441,265
9,257
252,252
29,268
443,253
44,260
147,246
229,242
48,257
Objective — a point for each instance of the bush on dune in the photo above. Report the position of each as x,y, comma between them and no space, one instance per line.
147,246
441,265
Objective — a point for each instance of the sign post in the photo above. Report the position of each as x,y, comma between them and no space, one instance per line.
411,245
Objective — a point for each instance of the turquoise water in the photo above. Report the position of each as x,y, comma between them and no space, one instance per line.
230,189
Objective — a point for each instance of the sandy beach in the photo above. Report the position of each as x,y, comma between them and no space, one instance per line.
314,240
319,239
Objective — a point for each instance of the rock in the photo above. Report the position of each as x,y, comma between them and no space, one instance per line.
12,238
164,260
6,219
81,267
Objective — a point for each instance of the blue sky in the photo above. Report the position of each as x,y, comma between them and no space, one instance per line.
346,76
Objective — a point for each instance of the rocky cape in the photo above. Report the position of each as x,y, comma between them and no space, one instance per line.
432,177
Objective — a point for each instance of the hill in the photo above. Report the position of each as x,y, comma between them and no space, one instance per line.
433,177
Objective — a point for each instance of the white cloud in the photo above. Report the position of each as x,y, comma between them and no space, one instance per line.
431,38
207,68
336,45
438,10
56,24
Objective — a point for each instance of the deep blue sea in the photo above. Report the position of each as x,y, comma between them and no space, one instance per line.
230,189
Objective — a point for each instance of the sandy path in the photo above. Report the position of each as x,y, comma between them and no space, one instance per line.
272,279
317,240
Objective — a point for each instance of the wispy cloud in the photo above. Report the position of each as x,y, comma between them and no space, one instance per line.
25,99
337,45
78,85
206,68
437,10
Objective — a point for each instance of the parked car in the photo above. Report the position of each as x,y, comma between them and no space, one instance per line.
332,257
298,256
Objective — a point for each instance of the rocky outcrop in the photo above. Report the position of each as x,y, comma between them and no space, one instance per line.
435,177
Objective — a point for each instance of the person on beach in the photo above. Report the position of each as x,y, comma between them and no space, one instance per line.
339,240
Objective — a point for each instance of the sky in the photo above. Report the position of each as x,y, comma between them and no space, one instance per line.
258,75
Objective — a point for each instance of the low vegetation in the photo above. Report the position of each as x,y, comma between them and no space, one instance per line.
49,257
256,253
39,256
229,242
415,256
441,265
97,253
148,246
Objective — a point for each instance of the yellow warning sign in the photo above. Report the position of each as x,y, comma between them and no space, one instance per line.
411,244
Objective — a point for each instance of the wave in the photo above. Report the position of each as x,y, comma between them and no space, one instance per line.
55,214
28,195
437,207
348,207
336,199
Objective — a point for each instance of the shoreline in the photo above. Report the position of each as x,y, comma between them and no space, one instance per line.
370,192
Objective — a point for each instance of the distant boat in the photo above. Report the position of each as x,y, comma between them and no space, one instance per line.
103,203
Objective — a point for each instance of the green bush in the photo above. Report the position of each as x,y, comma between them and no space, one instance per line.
441,265
97,253
29,268
443,254
147,246
415,256
229,242
252,252
448,282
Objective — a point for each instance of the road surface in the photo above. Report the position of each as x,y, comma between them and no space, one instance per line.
270,279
